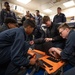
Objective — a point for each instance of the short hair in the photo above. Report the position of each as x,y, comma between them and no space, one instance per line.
38,11
29,22
59,8
6,3
45,19
64,25
10,20
8,6
27,11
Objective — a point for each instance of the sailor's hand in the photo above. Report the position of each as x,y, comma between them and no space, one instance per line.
55,52
32,61
31,42
48,39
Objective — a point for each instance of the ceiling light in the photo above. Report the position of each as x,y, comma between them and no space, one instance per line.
42,14
24,1
47,10
69,3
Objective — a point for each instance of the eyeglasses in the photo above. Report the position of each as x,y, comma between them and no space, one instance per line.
61,32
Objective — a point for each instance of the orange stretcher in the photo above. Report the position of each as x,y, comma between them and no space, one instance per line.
50,64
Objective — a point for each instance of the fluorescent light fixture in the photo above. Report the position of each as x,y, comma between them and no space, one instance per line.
47,10
24,1
42,14
69,3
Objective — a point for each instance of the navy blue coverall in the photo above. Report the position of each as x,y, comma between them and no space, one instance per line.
4,14
59,18
13,48
69,51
